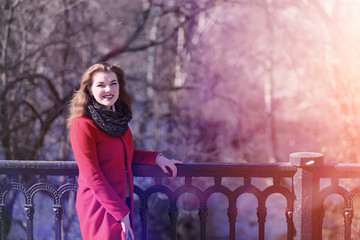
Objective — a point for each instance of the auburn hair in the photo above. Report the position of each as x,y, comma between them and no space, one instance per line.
81,97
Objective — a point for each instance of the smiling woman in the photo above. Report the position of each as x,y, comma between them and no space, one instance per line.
98,81
104,151
105,89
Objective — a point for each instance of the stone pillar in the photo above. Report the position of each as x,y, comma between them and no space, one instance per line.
307,210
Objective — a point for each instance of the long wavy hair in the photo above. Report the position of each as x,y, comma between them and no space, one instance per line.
81,97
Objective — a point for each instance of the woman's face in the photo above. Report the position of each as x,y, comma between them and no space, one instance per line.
105,88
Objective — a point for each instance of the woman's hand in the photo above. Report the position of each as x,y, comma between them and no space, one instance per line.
125,224
165,163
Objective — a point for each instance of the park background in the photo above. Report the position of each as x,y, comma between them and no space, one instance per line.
213,81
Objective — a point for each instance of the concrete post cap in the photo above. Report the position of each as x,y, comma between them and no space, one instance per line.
306,159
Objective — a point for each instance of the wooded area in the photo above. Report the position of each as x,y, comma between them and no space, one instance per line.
213,81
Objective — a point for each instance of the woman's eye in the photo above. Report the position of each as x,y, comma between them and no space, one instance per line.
114,83
100,85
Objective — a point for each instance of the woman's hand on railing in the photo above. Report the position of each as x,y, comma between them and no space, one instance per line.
165,163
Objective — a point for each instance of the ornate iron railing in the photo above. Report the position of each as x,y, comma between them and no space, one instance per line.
304,200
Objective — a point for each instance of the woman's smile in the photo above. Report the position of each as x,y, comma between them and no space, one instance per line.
108,96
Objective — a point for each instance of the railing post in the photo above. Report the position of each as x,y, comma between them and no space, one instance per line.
58,213
307,212
173,214
2,221
348,216
144,216
232,214
29,211
203,214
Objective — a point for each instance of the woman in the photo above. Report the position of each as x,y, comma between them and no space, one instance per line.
104,151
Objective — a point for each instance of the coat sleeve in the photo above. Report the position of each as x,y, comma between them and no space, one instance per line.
82,138
145,157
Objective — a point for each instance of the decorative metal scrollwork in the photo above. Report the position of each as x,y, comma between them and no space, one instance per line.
348,215
261,214
58,210
47,188
29,211
203,214
289,215
232,214
14,186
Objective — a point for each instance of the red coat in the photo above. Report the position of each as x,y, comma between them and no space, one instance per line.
103,161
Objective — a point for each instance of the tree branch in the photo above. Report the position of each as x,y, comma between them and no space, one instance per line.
126,45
